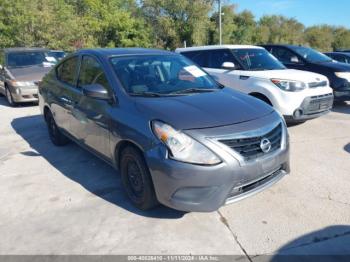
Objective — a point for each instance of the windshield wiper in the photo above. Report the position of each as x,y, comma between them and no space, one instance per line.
147,94
193,90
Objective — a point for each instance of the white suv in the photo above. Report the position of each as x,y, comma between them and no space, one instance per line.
297,95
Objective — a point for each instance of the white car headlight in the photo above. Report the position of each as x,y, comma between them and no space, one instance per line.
182,147
288,85
344,75
22,83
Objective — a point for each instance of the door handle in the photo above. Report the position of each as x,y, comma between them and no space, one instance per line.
66,101
243,77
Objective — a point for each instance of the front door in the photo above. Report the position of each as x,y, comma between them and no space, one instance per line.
90,122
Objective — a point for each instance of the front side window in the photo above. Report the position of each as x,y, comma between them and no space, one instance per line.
26,59
311,55
218,57
157,75
257,59
91,72
66,71
284,55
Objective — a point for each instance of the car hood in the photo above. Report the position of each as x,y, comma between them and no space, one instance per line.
33,73
335,66
203,110
287,74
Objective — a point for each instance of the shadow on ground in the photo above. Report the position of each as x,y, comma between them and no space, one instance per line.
82,167
329,244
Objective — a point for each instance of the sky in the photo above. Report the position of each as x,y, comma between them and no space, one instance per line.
308,12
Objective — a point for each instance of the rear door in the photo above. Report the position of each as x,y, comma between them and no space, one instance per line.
90,120
63,91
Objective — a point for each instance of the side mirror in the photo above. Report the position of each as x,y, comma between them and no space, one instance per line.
228,65
96,91
295,59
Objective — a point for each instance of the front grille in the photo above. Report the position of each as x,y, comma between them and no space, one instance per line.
318,84
250,148
319,103
253,185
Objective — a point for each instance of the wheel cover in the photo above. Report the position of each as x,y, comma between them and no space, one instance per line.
135,180
8,96
52,128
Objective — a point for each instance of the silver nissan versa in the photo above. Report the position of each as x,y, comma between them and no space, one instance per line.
176,136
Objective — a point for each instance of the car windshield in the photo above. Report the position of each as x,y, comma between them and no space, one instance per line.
161,75
257,59
25,59
311,55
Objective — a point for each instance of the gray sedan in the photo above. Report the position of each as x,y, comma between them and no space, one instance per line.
176,136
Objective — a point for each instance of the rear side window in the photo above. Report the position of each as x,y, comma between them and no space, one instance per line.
340,58
66,71
218,57
91,72
199,57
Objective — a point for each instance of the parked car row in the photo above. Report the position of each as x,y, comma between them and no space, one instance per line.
177,125
297,95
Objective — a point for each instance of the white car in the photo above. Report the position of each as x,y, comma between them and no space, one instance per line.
297,95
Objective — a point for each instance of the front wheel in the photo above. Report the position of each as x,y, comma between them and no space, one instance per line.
56,136
136,179
9,97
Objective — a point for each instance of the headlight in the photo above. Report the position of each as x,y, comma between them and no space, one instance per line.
344,75
288,85
22,84
182,147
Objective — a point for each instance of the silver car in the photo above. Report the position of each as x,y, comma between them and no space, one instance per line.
21,69
176,136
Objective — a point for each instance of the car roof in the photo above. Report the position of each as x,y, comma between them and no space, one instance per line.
24,49
106,52
211,47
282,45
340,53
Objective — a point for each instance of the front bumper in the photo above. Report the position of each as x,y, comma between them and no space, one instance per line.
199,188
22,95
312,107
342,95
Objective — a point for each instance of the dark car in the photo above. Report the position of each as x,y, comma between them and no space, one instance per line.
343,50
341,57
308,59
20,71
176,135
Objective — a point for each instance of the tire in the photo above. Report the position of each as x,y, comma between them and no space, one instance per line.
9,98
136,179
56,136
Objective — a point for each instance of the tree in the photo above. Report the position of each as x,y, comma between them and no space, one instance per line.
48,23
176,21
341,38
279,29
320,37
